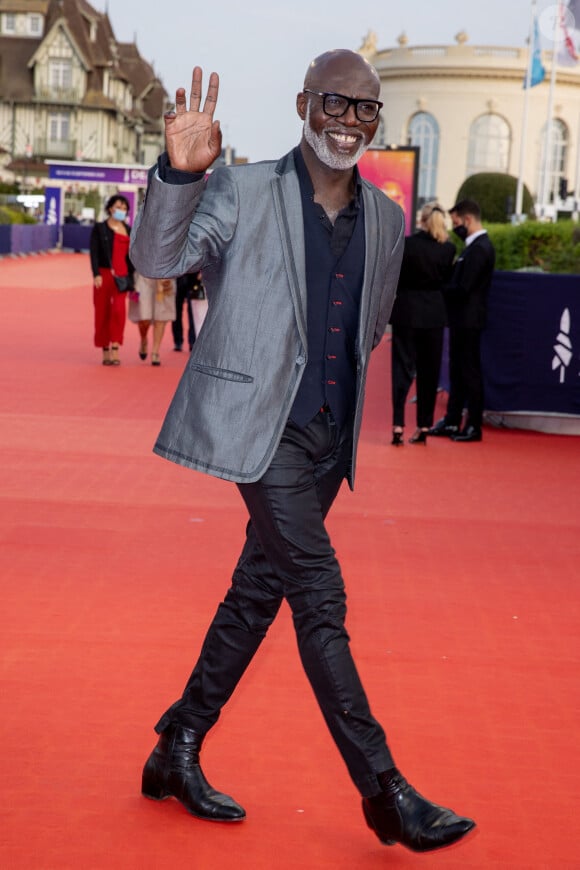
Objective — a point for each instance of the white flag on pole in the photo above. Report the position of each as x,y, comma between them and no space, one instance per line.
568,53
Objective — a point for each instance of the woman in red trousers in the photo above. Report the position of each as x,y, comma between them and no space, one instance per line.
109,259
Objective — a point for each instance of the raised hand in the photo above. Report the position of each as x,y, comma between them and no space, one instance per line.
193,139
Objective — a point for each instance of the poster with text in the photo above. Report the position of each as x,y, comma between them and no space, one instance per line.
394,171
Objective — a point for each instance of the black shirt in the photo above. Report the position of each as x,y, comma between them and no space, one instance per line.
335,255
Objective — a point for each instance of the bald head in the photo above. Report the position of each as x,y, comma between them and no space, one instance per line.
344,64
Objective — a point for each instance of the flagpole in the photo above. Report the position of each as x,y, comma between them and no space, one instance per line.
577,185
531,48
545,192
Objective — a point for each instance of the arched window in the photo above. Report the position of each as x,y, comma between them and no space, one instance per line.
557,162
424,133
489,145
380,135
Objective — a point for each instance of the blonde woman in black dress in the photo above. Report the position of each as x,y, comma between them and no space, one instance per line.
418,320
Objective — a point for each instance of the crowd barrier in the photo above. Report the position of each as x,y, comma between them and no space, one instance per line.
30,238
27,238
76,236
531,352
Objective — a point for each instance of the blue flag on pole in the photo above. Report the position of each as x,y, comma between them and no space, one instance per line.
538,71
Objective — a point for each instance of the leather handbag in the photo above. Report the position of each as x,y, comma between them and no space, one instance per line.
124,283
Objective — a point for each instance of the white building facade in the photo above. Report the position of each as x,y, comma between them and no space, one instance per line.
463,105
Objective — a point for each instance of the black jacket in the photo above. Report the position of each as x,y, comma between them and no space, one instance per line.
101,248
427,266
467,292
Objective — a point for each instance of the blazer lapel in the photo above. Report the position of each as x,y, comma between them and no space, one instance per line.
288,208
369,301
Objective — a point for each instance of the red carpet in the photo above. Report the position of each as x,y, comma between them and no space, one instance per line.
462,566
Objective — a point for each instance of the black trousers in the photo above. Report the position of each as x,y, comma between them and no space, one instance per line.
465,378
288,555
181,298
415,351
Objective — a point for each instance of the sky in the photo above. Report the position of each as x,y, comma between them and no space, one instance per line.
261,48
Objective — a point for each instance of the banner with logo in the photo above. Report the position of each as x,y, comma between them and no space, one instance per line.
531,345
53,206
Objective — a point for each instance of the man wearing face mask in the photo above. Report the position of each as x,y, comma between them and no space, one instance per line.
300,259
466,301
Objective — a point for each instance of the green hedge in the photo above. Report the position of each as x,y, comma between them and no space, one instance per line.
549,247
552,247
493,191
14,216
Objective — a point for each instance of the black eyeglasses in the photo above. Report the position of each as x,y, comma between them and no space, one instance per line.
337,105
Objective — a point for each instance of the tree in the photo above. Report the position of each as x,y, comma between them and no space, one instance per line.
496,194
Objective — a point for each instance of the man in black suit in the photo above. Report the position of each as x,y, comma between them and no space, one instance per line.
466,300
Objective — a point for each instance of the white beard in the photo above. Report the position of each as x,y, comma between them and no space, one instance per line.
319,144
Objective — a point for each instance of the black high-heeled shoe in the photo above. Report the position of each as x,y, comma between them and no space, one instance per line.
419,436
397,438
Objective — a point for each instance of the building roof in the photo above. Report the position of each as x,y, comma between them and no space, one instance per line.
24,6
94,39
147,88
82,21
15,77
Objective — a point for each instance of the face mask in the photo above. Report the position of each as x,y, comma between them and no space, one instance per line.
461,232
119,214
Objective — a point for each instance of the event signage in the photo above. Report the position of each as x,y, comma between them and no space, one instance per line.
98,174
53,206
531,345
395,171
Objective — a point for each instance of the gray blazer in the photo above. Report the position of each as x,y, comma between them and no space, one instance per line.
243,228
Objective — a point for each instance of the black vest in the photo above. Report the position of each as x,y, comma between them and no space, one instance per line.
333,290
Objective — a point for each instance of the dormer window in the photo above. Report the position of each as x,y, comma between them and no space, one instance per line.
9,23
60,74
35,25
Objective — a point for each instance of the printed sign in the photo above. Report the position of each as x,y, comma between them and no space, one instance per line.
394,171
98,173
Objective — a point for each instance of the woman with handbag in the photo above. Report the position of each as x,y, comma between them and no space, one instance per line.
112,277
152,303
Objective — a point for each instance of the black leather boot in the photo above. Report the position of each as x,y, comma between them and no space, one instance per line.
173,770
399,814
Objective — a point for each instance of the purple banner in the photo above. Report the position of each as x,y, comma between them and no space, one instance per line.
98,173
53,206
530,349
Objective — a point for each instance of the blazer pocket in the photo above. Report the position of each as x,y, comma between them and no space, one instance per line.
225,374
